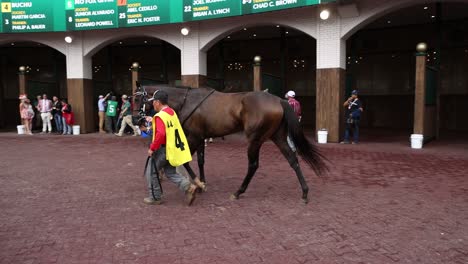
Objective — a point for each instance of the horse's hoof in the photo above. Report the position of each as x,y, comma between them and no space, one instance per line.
201,185
234,197
305,200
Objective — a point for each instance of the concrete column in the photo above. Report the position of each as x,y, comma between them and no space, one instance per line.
80,85
193,59
331,71
420,89
257,74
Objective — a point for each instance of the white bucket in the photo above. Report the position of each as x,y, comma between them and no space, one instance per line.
20,129
322,136
76,130
417,141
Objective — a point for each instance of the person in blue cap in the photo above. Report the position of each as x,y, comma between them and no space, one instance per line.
353,115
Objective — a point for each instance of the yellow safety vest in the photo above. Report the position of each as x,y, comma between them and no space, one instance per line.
177,147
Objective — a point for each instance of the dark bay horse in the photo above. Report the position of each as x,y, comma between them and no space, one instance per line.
204,113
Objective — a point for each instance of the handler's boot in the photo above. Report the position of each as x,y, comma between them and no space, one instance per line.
151,200
190,194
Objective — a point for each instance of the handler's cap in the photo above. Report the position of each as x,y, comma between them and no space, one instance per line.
101,96
354,92
291,94
124,96
159,95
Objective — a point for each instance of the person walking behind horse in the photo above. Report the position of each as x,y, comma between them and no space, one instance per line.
45,107
169,148
102,112
111,115
353,116
296,106
57,113
27,114
126,115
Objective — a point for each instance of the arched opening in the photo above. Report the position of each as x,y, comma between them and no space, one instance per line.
381,65
159,62
288,63
111,66
45,73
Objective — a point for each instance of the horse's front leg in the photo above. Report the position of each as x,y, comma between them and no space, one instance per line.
194,144
201,162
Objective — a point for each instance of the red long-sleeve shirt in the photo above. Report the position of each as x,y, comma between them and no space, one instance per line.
296,106
160,133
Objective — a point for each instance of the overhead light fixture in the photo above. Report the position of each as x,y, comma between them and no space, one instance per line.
228,37
254,35
389,22
245,28
185,31
146,41
12,43
325,14
277,26
287,32
425,8
68,39
432,16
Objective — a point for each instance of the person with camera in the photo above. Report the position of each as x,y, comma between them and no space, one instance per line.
102,111
353,115
126,115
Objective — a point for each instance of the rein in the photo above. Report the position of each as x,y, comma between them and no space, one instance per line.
143,95
196,107
185,99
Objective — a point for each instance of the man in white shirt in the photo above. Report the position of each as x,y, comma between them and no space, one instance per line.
102,112
45,107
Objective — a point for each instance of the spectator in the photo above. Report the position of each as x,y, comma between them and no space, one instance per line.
102,112
38,121
67,118
57,113
353,116
111,115
126,115
27,114
45,107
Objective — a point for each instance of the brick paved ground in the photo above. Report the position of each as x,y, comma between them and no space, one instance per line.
79,200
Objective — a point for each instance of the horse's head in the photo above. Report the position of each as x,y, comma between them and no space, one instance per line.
177,96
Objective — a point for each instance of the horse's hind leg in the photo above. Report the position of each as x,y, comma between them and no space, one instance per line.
253,153
281,143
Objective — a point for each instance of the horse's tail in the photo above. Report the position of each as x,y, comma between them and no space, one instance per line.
306,150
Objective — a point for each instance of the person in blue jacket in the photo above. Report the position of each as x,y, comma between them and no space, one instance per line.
353,115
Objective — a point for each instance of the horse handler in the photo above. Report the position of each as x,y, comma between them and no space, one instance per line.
169,149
